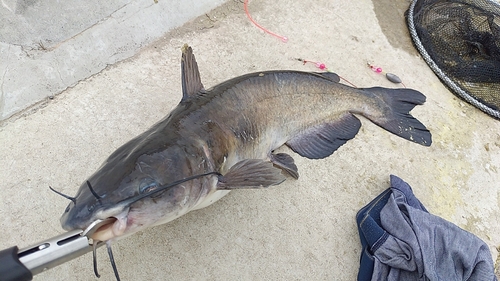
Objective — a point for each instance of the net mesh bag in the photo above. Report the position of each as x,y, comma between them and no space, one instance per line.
460,41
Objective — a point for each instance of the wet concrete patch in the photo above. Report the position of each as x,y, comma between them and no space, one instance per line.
391,18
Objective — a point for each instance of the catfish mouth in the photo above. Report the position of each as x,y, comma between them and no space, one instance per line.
104,229
113,228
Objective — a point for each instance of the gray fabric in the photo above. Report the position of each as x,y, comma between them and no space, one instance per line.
422,246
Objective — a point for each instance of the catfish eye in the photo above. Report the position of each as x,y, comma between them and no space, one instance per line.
147,185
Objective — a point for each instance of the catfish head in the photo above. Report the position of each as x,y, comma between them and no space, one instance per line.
154,178
138,188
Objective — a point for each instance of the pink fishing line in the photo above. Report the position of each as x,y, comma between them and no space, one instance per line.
322,66
283,38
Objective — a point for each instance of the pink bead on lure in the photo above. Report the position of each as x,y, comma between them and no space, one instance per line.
323,67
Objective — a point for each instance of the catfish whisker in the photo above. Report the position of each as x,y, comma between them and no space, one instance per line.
94,258
131,200
64,195
99,197
112,260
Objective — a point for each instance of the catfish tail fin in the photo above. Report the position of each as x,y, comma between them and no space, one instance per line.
397,118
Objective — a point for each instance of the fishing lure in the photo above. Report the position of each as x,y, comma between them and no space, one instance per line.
391,77
323,67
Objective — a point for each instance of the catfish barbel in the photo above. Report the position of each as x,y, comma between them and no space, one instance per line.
224,138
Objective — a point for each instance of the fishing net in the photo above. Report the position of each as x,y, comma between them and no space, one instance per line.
460,41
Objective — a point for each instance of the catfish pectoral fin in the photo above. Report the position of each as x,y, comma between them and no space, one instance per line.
250,173
322,140
285,162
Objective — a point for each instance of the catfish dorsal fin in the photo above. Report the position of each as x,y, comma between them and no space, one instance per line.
191,81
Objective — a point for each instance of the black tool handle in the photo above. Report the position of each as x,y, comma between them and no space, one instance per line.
11,268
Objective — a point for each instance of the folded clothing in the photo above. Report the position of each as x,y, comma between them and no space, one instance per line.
401,240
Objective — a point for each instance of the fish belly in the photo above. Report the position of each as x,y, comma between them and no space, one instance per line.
211,198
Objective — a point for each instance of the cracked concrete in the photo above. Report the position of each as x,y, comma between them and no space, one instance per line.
299,230
1,88
77,40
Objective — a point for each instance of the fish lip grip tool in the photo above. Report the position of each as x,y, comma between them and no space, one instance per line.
22,264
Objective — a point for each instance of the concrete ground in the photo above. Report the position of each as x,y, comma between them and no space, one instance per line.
299,230
50,45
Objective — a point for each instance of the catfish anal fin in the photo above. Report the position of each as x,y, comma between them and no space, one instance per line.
191,81
322,140
285,162
250,173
